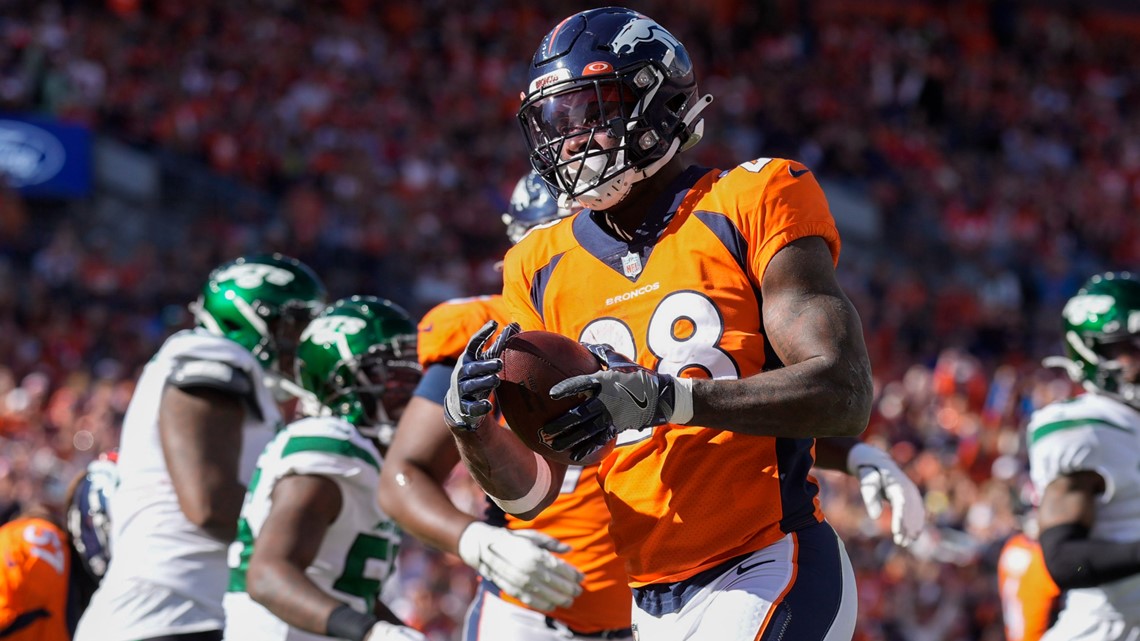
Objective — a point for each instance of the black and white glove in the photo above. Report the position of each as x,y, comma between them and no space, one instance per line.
623,396
475,376
880,479
521,563
384,631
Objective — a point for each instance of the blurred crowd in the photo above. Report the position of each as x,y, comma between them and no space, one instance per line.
997,141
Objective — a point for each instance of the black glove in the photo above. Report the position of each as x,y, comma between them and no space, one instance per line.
475,376
624,396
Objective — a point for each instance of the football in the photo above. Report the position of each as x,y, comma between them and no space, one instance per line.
534,362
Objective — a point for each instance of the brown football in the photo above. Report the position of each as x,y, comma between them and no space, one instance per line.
534,362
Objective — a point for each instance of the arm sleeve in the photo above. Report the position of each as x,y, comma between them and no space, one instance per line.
787,207
1080,449
190,373
223,377
434,383
1076,561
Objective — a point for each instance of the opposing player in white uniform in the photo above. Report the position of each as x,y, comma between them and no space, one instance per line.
200,415
313,546
1085,463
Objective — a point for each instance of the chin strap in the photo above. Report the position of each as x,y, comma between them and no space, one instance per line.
696,132
616,188
1071,367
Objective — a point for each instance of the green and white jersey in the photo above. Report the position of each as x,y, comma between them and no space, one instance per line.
168,576
1093,432
359,549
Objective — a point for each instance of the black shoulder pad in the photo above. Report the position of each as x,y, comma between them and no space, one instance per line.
211,374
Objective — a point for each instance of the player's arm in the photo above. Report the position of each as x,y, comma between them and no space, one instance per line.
518,480
1066,515
200,427
823,390
302,509
417,463
881,481
411,491
825,387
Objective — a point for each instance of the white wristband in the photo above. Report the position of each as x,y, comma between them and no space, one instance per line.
536,494
682,401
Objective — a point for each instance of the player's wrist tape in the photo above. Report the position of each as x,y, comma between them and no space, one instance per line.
536,494
682,401
346,623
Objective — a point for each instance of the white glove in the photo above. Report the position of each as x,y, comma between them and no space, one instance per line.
880,478
384,631
520,563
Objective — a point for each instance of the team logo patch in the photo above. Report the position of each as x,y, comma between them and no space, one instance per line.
557,75
595,68
253,275
631,264
641,30
330,328
1080,308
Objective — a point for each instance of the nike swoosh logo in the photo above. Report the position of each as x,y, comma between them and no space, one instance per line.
640,402
428,328
741,569
796,173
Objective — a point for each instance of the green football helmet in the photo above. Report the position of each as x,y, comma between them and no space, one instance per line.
261,303
358,360
1104,312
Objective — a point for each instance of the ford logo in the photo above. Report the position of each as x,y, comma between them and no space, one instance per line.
28,155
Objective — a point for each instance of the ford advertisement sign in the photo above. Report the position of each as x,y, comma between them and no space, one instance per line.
45,158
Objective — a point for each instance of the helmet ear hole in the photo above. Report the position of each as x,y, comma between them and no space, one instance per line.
676,103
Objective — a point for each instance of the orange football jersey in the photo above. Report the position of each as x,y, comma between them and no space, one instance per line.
1028,593
578,517
443,332
34,579
683,298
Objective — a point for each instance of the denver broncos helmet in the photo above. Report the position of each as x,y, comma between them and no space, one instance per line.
608,72
89,515
1104,312
532,204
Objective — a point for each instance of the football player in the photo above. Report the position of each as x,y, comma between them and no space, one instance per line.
1029,597
1083,455
34,579
200,415
742,348
552,578
313,547
89,531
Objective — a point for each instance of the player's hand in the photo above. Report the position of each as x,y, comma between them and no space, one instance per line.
623,396
475,376
881,479
520,563
384,631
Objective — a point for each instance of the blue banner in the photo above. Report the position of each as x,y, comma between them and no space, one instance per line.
42,157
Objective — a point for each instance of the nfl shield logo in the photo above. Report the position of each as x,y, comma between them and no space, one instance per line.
631,264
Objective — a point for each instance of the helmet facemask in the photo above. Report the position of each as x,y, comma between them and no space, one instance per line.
371,390
618,130
357,361
1113,375
1102,337
283,332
